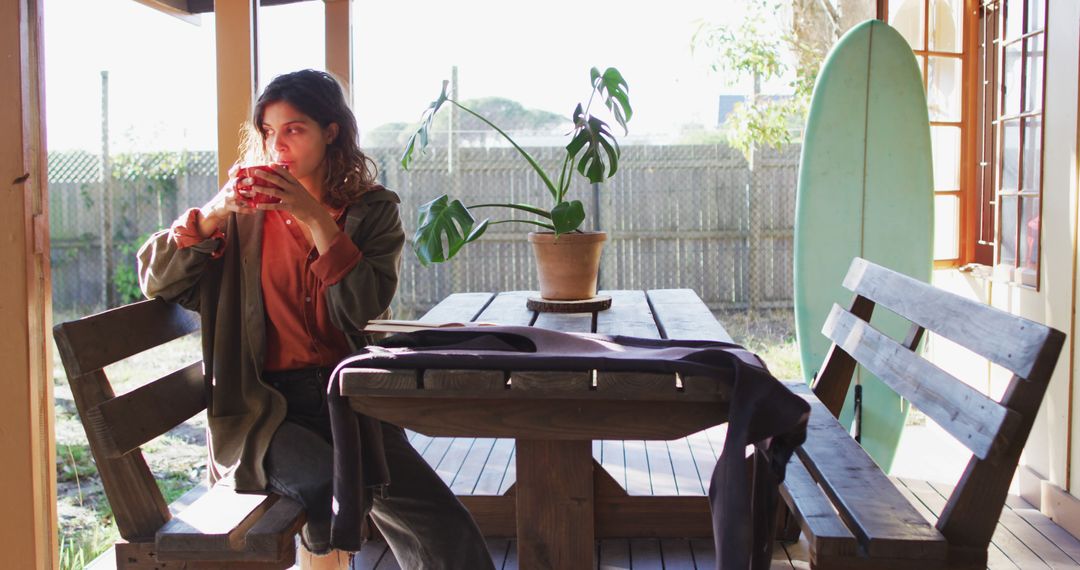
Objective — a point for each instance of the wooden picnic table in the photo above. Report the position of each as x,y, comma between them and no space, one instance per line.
563,500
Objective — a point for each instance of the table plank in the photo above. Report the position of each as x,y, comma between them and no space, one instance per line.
508,308
629,315
458,308
565,322
681,314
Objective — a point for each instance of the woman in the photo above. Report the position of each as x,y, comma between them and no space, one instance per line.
284,290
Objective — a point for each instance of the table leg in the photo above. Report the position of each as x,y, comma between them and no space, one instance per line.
555,519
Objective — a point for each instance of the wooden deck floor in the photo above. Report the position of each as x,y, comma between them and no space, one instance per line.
1025,538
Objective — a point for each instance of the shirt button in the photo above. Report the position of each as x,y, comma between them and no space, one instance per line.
288,221
308,299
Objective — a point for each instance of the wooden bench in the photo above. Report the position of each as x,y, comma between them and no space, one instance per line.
850,512
220,528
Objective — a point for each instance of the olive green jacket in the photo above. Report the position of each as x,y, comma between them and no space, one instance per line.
243,412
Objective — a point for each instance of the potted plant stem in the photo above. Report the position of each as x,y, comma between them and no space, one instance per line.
446,224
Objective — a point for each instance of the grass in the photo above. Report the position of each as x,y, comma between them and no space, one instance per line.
770,334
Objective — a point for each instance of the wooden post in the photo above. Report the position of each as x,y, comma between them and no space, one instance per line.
28,479
108,296
555,491
753,200
236,31
458,275
339,61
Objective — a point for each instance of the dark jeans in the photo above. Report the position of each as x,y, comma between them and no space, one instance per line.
423,522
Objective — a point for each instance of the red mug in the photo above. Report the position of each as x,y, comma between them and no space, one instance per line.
258,197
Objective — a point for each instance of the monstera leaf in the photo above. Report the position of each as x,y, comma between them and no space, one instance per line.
612,87
567,216
442,218
598,144
421,134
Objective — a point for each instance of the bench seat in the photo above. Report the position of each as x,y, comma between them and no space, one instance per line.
215,528
852,514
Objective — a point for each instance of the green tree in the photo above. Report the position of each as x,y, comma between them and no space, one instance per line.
507,113
749,49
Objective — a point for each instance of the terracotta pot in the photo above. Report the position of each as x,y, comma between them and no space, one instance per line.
567,266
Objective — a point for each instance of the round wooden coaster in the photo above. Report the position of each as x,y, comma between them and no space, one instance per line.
598,303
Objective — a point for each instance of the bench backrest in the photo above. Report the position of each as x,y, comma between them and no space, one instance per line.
994,431
116,426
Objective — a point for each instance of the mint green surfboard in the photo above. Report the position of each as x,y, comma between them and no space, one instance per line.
865,190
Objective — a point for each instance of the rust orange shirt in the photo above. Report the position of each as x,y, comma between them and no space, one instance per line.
299,333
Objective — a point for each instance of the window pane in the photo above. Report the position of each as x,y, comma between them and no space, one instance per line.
1033,82
1011,80
279,25
1014,13
1029,233
946,144
1007,255
1032,153
907,17
943,89
946,227
946,31
1036,15
1010,155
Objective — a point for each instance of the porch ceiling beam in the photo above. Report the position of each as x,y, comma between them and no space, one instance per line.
205,6
175,8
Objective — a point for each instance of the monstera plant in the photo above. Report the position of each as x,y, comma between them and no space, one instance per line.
446,224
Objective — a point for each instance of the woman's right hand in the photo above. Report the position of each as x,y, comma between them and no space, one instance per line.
215,214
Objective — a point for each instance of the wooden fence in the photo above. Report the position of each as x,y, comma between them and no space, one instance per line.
677,216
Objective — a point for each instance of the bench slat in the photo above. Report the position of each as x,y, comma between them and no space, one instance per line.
971,417
1008,340
215,527
128,421
880,517
274,532
99,340
825,531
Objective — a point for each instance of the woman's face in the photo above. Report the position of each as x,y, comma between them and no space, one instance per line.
295,139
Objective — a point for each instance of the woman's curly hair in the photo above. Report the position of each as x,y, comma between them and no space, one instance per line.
349,172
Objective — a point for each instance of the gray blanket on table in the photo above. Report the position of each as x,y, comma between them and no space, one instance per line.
763,413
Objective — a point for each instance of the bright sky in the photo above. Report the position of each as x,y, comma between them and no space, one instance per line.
161,69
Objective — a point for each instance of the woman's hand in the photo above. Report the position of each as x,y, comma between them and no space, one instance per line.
215,213
294,197
296,200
